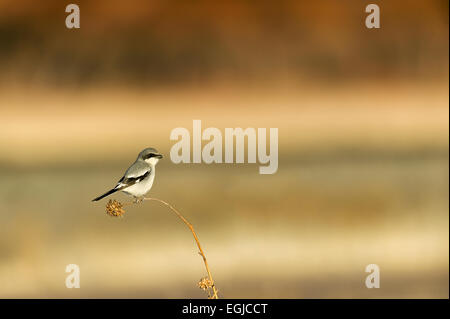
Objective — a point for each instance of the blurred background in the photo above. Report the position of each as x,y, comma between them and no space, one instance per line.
363,118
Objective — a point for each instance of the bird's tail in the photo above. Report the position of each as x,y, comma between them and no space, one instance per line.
106,194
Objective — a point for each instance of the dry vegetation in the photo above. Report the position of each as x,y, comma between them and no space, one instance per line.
115,209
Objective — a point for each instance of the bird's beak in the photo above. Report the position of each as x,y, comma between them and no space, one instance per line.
159,156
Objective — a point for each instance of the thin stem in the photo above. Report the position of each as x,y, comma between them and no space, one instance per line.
188,224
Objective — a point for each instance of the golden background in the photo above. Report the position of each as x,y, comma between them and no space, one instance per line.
363,148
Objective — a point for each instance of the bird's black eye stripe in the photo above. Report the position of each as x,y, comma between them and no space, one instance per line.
149,156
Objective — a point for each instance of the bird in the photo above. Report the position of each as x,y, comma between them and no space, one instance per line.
138,178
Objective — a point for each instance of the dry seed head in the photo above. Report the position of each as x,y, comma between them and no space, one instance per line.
114,208
205,283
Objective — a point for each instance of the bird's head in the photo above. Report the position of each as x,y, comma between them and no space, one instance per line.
150,155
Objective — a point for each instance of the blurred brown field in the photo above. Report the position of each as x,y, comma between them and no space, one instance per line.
363,123
353,187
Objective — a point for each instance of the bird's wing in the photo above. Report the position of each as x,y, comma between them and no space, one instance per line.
134,174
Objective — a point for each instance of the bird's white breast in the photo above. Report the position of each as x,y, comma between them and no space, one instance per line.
152,161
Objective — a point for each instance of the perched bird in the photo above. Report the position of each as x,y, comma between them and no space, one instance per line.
138,179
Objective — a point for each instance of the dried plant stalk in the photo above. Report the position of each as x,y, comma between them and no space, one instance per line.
210,281
116,209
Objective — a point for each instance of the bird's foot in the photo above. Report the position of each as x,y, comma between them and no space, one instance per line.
138,200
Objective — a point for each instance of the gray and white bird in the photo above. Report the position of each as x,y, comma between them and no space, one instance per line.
138,178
